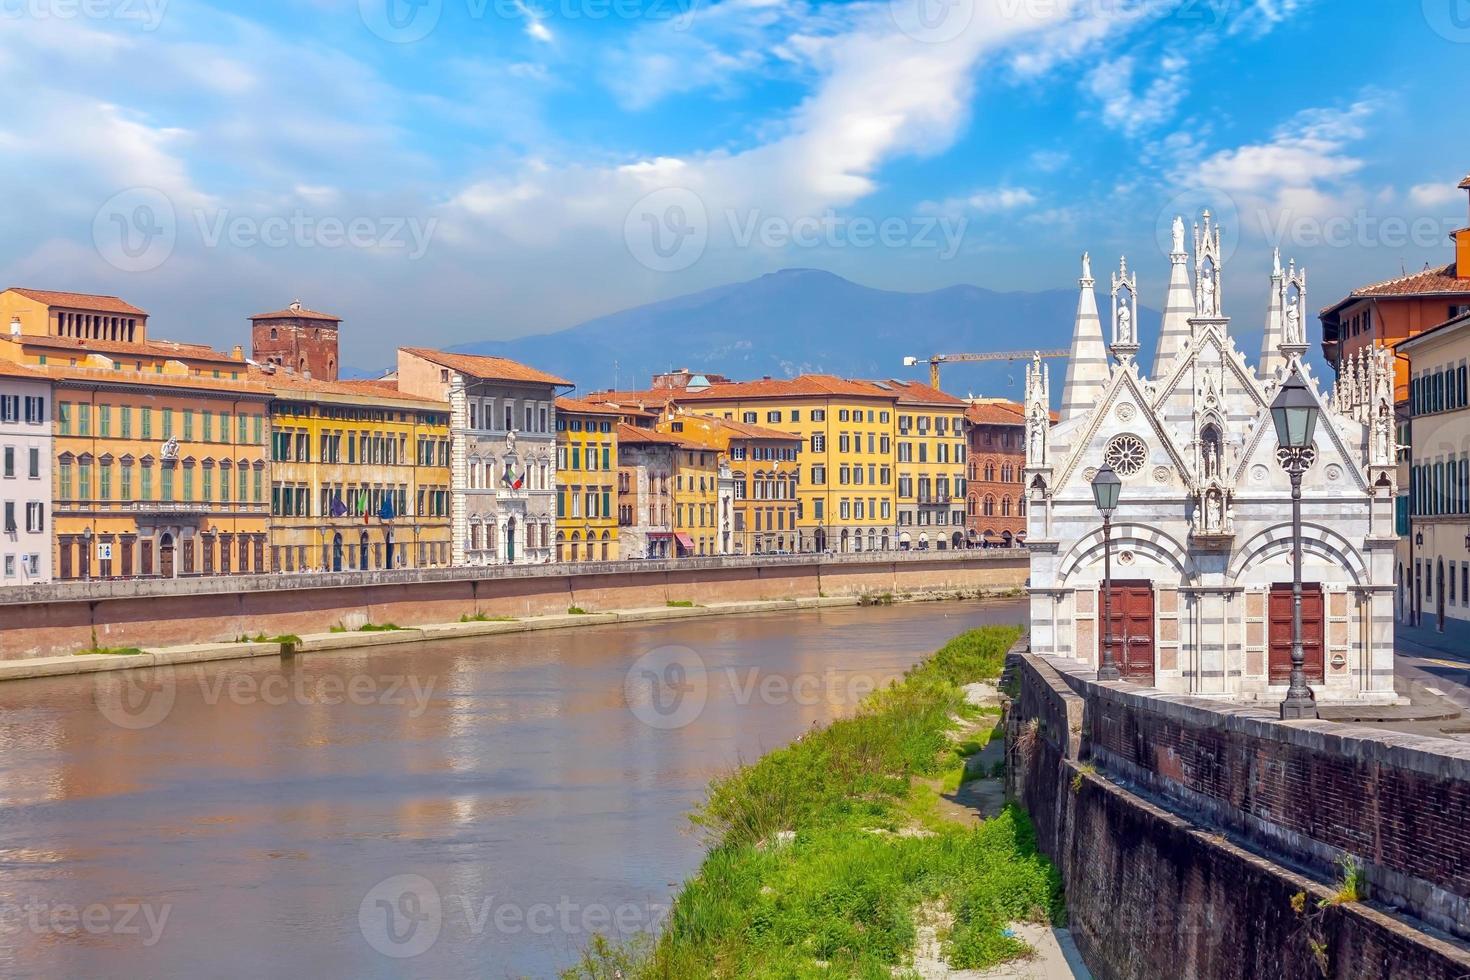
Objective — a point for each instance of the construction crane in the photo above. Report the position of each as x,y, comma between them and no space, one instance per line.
1009,355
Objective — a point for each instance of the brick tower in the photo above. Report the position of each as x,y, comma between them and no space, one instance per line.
298,339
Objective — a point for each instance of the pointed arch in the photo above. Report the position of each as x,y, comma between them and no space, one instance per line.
1146,541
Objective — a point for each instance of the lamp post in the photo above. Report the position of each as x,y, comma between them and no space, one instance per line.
87,556
1105,487
1294,413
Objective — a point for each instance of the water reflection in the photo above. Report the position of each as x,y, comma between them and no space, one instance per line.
326,814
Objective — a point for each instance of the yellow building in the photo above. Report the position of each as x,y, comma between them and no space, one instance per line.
697,501
930,466
160,447
359,476
763,470
586,481
846,493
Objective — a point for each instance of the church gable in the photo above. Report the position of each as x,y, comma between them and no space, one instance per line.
1124,432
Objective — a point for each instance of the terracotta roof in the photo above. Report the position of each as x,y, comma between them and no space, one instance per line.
1464,185
802,386
581,407
223,386
633,434
1427,282
151,348
744,430
299,312
357,388
658,397
918,393
79,301
11,369
996,413
490,368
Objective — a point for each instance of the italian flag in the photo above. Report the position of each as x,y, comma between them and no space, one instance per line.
511,478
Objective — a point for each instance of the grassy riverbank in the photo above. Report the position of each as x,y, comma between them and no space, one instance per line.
831,856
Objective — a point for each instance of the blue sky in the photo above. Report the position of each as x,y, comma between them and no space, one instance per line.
444,171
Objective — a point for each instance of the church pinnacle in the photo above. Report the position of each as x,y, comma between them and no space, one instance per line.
1178,306
1087,367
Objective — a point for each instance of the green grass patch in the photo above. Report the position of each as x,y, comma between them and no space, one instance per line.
111,651
378,628
576,611
840,900
480,617
283,639
680,603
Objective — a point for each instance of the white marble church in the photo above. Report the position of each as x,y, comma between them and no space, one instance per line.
1201,540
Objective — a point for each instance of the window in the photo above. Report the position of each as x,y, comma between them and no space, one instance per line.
9,469
35,517
819,415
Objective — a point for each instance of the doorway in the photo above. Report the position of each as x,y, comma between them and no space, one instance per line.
166,556
1132,629
1279,630
362,552
337,552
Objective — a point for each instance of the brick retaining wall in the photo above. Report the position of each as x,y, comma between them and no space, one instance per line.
61,618
1181,853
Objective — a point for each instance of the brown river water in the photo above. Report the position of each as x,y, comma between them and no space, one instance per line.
464,808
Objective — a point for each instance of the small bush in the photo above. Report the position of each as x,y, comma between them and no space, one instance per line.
378,628
111,651
680,603
576,611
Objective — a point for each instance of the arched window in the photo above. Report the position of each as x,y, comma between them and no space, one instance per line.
1007,473
990,471
973,469
1005,506
972,506
989,506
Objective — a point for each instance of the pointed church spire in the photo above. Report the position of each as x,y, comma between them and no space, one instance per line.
1178,306
1271,357
1087,368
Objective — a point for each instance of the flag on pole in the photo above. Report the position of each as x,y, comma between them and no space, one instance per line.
385,512
510,477
338,507
362,505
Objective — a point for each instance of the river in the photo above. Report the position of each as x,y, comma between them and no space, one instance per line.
464,808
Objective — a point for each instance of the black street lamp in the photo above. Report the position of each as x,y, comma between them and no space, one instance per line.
1294,413
1105,487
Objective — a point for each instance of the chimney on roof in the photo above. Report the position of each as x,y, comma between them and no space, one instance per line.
1462,241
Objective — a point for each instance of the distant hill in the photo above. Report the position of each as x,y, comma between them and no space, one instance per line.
799,320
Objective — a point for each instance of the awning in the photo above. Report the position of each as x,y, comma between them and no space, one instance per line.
660,534
990,536
685,541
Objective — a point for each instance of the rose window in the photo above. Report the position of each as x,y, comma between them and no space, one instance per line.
1126,454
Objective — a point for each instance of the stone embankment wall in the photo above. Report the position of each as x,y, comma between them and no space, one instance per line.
50,620
1196,839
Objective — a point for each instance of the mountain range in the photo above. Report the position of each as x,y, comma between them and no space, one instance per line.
806,320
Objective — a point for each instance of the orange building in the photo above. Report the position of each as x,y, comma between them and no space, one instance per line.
1396,309
159,447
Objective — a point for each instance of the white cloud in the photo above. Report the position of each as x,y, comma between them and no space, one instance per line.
989,200
1112,85
536,28
1435,194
